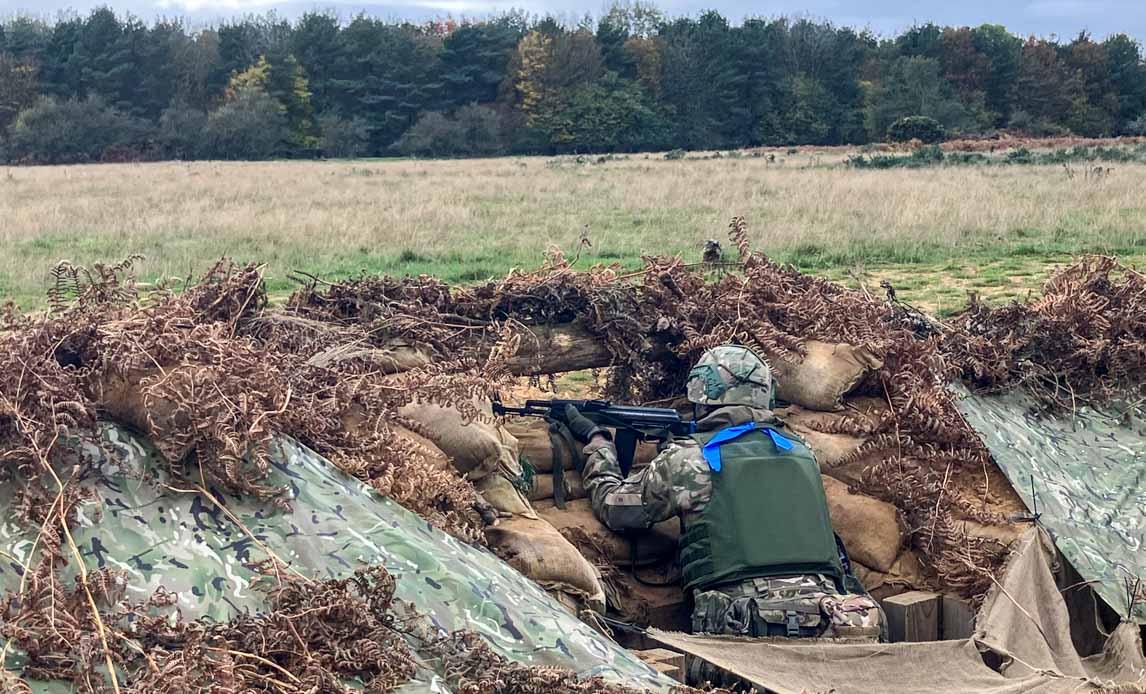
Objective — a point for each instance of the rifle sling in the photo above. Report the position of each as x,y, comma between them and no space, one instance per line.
558,472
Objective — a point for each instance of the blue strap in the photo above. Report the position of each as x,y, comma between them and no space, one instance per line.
779,440
711,450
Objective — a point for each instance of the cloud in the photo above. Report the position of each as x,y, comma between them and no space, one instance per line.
1069,9
198,5
224,6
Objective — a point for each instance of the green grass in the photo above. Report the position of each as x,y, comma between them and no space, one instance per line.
925,274
934,232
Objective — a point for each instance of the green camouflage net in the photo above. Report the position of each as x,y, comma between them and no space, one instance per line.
1083,472
158,546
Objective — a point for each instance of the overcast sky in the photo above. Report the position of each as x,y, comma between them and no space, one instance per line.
1043,17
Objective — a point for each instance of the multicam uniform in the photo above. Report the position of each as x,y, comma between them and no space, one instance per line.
679,482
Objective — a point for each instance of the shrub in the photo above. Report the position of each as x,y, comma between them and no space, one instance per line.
343,138
480,130
922,128
72,131
1021,155
250,125
472,131
930,155
433,135
181,130
675,155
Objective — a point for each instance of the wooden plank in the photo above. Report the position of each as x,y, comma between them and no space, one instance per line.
913,616
665,661
669,670
958,618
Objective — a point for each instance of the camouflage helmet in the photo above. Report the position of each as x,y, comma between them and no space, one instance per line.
730,375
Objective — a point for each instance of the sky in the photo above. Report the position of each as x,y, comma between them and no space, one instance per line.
1064,18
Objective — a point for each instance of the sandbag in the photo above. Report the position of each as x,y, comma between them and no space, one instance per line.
424,446
500,493
543,486
122,399
399,355
844,456
394,357
655,545
906,573
869,527
831,450
476,448
538,551
826,373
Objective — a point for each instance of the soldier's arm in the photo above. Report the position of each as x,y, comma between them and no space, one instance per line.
636,502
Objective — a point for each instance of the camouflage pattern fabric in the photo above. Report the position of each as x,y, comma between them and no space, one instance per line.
767,607
141,522
730,375
1083,471
676,483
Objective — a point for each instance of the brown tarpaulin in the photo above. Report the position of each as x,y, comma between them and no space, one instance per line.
1023,622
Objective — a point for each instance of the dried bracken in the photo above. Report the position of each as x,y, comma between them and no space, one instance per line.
1083,340
314,636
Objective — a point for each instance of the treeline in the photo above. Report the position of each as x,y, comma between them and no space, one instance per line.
104,87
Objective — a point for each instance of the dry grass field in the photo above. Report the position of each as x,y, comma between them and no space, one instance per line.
934,232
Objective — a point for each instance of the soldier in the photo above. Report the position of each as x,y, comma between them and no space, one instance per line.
758,550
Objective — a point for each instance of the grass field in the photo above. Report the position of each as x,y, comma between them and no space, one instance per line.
934,232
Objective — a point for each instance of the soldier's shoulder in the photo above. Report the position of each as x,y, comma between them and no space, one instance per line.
683,442
683,453
681,447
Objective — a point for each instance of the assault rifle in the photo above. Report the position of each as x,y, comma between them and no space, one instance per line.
631,424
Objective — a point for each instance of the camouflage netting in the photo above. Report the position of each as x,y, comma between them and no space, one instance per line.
181,368
211,375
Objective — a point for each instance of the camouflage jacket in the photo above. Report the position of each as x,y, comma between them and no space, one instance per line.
676,483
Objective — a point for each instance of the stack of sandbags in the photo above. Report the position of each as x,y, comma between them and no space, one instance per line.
488,455
535,449
542,487
533,442
875,537
483,452
824,376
